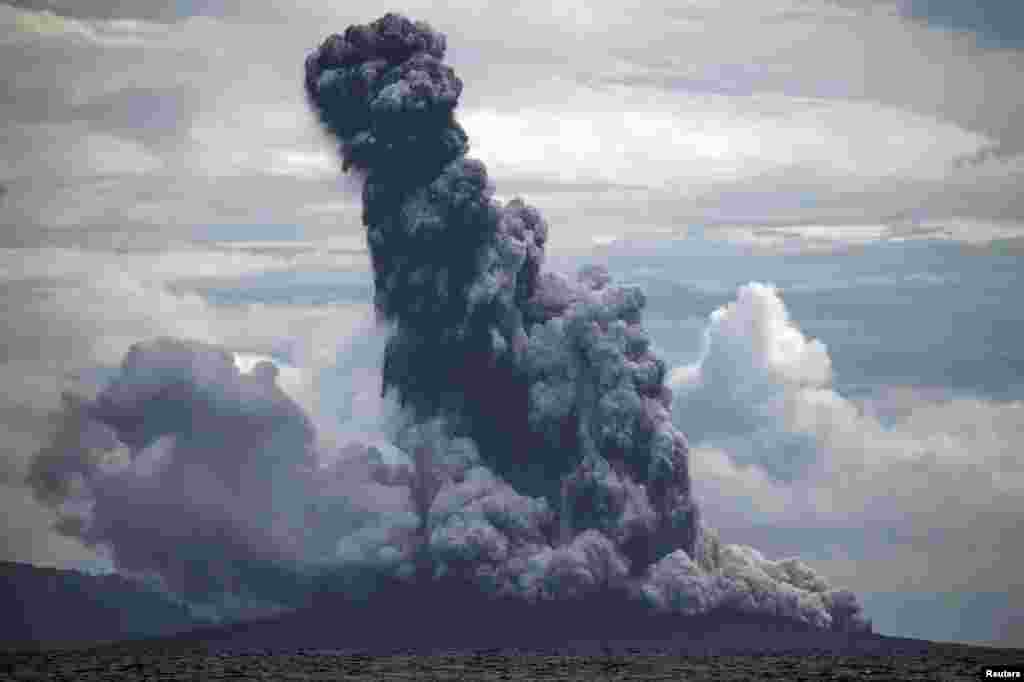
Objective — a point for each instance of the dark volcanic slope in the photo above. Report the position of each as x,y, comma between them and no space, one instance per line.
50,607
400,618
434,638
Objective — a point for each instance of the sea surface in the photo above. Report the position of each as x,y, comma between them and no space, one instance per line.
128,662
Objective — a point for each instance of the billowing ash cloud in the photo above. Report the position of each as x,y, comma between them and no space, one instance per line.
548,375
524,441
187,469
569,475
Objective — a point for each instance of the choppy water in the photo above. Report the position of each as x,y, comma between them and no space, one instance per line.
121,662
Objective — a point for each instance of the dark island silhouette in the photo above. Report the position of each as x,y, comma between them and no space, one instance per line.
54,608
50,609
454,616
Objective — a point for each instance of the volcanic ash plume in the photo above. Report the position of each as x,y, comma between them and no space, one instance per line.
535,456
189,470
543,458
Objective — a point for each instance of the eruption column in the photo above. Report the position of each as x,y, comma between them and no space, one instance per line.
552,377
541,460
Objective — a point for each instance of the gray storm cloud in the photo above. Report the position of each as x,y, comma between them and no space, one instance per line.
534,453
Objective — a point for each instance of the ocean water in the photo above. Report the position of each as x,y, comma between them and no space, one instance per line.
948,664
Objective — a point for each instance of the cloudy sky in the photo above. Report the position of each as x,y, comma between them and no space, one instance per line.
859,405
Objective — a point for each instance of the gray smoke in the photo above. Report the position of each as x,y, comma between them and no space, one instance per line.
580,480
548,375
188,470
531,450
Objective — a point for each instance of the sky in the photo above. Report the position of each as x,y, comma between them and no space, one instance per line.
820,198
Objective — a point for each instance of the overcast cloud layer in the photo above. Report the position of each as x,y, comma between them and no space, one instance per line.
142,116
156,156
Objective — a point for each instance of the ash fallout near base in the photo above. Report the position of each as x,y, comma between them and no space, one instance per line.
530,449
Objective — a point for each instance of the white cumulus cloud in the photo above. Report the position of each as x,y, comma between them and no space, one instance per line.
776,443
